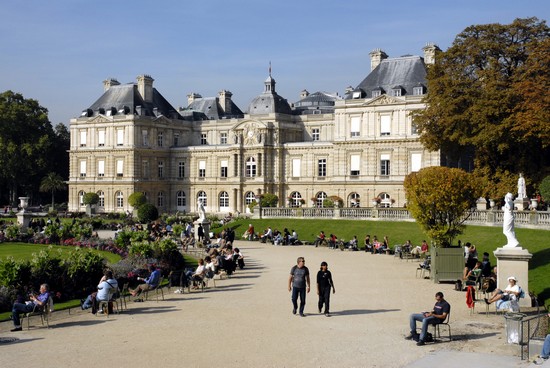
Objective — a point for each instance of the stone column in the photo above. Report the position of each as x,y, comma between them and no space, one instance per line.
514,262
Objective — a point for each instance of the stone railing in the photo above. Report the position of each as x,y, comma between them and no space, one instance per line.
526,219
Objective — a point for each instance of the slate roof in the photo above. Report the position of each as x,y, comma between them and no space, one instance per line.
126,99
406,72
269,101
208,108
316,103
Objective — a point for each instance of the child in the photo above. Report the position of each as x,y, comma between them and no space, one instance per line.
324,283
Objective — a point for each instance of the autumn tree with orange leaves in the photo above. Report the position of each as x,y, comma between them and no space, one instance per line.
488,94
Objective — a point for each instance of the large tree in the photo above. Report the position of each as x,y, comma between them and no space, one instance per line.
439,198
52,183
27,141
476,99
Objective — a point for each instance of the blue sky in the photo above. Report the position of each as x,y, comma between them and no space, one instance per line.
59,52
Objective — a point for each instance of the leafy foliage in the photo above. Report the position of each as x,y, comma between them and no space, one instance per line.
52,183
439,198
544,189
137,199
90,198
476,99
147,213
269,200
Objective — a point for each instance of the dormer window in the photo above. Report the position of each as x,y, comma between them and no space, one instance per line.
418,91
356,94
397,91
376,93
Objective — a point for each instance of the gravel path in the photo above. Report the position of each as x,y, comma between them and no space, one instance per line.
246,321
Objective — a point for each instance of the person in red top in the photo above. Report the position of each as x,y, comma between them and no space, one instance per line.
320,239
424,248
250,232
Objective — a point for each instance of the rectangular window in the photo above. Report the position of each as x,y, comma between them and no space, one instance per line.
181,169
322,167
145,166
223,138
356,94
161,169
160,139
119,168
385,165
203,139
82,138
376,93
101,168
355,165
145,137
416,162
176,140
315,134
385,125
418,91
202,169
355,126
83,168
224,168
120,137
101,138
397,92
296,167
414,128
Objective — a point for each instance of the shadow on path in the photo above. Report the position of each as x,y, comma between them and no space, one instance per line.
351,312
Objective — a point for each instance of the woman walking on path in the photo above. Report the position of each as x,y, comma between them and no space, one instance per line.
324,284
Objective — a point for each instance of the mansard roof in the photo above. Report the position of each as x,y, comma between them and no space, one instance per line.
126,99
269,101
208,108
316,103
405,72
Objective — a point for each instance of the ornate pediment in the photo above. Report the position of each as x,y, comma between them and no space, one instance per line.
384,100
100,119
251,132
162,119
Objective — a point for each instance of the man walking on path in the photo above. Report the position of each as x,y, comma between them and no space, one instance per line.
297,283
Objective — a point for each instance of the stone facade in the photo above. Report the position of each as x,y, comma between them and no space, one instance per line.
132,140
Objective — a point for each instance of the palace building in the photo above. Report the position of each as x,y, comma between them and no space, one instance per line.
357,147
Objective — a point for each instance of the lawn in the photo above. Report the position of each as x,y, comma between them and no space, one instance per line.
486,239
21,251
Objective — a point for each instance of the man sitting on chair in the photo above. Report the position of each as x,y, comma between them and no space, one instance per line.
39,300
150,283
436,316
106,284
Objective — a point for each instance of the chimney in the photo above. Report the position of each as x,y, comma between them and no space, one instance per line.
224,98
145,87
376,57
430,52
304,94
108,83
192,97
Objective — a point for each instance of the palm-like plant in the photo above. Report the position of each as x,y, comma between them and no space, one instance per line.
52,183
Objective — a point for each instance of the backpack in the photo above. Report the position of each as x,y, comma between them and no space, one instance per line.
458,285
429,337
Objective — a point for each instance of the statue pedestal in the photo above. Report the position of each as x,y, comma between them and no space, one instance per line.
521,204
205,227
23,219
514,262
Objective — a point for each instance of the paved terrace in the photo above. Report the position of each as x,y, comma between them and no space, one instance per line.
246,321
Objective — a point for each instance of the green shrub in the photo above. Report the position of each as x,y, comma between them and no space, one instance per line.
141,248
137,199
13,232
90,198
83,268
147,213
14,273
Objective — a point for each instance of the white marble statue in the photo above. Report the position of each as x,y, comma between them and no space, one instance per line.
522,193
508,221
201,210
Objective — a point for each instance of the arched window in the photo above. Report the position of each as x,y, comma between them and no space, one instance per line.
101,202
201,196
295,199
385,200
249,197
160,199
180,199
81,198
250,167
224,200
321,196
119,199
354,200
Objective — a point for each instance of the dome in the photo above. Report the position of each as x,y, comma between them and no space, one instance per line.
269,101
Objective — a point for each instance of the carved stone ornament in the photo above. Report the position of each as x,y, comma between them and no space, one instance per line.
384,100
250,134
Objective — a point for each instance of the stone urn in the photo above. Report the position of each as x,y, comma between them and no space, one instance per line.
534,203
24,203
